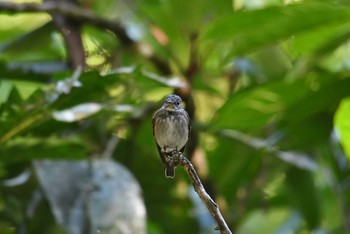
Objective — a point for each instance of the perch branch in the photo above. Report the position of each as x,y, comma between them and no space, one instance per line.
176,158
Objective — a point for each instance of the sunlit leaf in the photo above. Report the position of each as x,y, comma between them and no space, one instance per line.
5,89
342,124
268,222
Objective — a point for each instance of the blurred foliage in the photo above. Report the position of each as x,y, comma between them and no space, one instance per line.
266,77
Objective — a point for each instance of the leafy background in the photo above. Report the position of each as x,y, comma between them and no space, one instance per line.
266,84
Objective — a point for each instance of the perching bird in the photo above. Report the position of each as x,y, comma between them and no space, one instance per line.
171,127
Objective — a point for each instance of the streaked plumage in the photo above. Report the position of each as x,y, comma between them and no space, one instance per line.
171,127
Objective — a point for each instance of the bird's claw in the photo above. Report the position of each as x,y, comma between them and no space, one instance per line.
171,155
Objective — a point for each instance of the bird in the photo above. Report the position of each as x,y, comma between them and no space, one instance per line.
171,128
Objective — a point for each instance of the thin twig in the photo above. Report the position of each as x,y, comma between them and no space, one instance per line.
110,147
176,158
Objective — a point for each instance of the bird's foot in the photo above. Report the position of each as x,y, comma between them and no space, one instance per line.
171,155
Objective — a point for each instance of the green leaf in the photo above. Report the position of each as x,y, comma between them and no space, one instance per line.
324,95
30,148
250,30
256,107
342,124
231,165
18,115
304,194
318,38
307,132
93,84
264,221
281,100
5,89
35,45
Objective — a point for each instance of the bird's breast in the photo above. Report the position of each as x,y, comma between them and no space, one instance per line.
171,131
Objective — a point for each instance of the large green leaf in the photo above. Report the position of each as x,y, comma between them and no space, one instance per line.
257,106
281,100
313,40
324,95
249,30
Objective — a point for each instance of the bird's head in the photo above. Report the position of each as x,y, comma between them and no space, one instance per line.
172,103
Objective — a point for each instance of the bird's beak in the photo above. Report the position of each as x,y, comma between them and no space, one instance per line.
169,106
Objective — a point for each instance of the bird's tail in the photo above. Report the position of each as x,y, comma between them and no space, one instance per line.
169,171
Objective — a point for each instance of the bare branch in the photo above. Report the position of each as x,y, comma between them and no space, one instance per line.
176,158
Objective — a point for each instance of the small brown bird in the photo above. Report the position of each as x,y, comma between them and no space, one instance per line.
171,127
